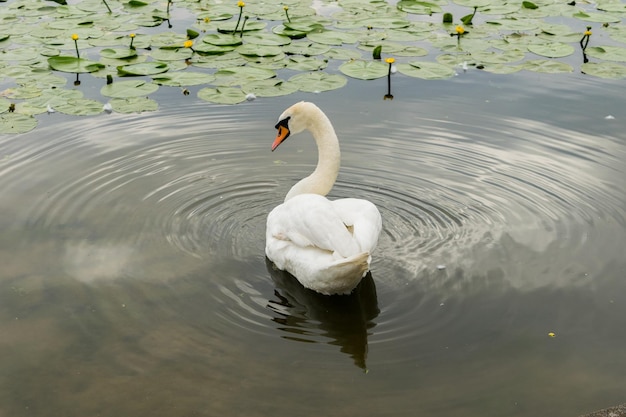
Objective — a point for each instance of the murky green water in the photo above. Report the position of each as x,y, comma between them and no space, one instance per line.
134,282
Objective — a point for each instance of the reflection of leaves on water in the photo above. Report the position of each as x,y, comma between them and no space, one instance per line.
309,317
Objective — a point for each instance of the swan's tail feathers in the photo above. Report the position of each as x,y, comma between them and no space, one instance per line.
345,275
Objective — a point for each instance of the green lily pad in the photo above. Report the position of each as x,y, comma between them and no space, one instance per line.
609,53
364,70
343,54
405,35
426,70
419,7
546,66
304,63
332,37
502,68
183,78
259,50
25,91
222,39
115,39
73,64
144,68
222,95
499,9
284,31
118,53
166,39
473,3
552,50
604,70
617,33
79,107
172,54
519,25
127,89
226,60
133,105
16,123
315,82
456,60
612,7
596,17
306,48
209,49
270,88
268,39
241,75
304,25
490,57
270,62
50,97
229,27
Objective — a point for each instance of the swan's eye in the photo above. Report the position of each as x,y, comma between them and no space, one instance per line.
284,123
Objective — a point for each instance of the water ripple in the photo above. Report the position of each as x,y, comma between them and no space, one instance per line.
461,203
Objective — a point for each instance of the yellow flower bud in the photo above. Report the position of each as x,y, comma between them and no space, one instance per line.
285,8
132,35
460,30
587,33
390,60
74,37
241,4
207,20
188,44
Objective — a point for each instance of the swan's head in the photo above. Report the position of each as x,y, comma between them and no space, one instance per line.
294,120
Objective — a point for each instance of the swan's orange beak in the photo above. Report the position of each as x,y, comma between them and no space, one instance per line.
282,134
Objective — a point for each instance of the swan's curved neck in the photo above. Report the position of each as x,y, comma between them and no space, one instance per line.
321,181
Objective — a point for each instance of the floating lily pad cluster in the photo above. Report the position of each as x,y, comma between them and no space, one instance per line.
235,51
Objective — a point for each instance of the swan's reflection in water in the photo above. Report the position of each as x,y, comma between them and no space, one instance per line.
307,316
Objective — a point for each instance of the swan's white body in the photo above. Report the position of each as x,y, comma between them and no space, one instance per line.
325,244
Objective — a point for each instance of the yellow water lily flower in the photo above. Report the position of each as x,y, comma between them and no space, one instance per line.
551,334
188,44
74,37
390,60
207,20
132,35
285,8
241,4
460,30
587,33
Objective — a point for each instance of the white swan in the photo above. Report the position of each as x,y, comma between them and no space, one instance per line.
325,244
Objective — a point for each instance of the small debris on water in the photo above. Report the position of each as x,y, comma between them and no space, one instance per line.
108,108
250,97
609,117
441,267
551,334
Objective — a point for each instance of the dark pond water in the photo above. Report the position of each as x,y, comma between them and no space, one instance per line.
134,283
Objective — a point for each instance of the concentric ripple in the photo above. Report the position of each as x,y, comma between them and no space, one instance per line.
447,196
466,204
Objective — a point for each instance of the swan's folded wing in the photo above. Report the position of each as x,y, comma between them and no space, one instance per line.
311,220
364,218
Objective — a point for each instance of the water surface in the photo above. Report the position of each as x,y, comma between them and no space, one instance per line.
134,281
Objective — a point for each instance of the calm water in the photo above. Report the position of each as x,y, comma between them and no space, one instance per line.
134,282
